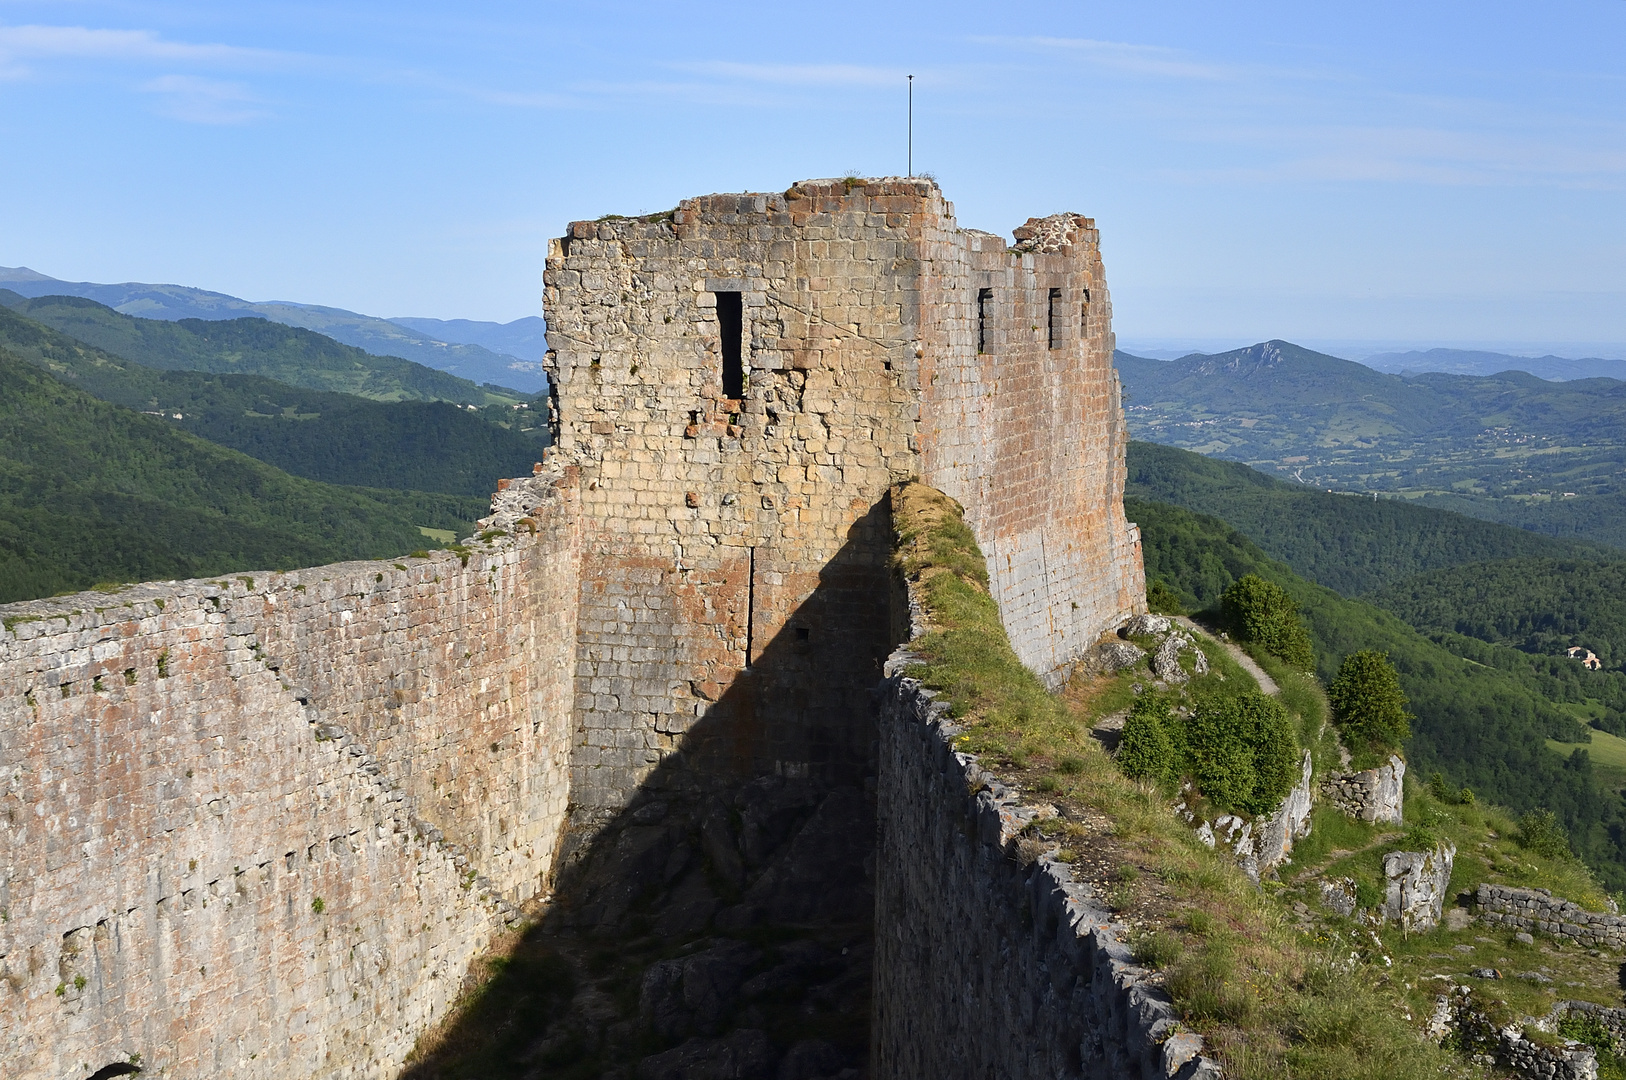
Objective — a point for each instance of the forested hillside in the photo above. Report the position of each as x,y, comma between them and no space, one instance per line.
1540,455
463,356
253,346
92,492
1480,725
1350,544
336,438
1525,614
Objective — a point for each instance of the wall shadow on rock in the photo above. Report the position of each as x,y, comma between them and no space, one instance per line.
720,926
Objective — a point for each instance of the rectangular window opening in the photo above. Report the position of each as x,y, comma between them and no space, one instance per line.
1084,320
731,324
1055,318
985,299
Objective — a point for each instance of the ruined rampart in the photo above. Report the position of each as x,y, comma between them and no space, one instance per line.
740,381
259,826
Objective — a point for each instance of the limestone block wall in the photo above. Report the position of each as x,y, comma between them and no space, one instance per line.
1022,422
1538,911
734,556
734,569
258,827
985,966
1376,795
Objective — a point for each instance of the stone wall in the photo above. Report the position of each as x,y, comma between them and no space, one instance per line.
1376,795
260,825
1488,1043
733,601
985,966
1538,910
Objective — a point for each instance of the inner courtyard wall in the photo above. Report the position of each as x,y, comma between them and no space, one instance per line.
259,826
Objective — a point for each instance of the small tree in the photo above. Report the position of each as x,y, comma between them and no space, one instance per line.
1241,752
1145,752
1163,598
1368,705
1540,832
1262,612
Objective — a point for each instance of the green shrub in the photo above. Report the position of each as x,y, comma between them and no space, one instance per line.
1240,751
1262,612
1367,703
1164,599
1540,832
1145,753
1437,787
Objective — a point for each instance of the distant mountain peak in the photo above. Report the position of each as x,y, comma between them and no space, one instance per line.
22,273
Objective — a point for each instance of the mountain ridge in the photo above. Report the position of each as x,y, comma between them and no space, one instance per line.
383,337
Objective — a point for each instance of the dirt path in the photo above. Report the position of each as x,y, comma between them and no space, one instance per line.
1246,662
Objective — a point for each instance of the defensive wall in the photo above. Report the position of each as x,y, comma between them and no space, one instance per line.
741,380
259,826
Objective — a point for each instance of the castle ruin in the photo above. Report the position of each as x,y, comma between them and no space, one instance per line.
259,826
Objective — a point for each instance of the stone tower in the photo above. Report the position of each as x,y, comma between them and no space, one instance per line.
740,380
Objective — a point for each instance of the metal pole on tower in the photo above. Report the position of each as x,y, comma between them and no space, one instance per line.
911,126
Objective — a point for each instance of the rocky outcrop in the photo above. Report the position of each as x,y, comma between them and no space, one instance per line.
1166,660
1288,823
1375,795
1536,910
1416,886
1262,844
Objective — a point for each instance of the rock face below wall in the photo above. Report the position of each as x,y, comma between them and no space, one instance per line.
984,966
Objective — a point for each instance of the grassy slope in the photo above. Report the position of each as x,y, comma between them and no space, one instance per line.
91,492
1269,1001
254,346
1480,725
335,438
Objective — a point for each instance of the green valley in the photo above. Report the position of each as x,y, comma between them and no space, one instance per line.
92,492
1544,456
320,435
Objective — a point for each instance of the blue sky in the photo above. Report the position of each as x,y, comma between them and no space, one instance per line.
1354,176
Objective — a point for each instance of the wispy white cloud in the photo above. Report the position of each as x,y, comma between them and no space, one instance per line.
205,101
20,44
1417,154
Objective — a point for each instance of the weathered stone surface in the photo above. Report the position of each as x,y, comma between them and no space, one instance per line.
1376,795
1147,625
261,825
1416,886
1339,895
1461,1013
986,966
735,539
1278,831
